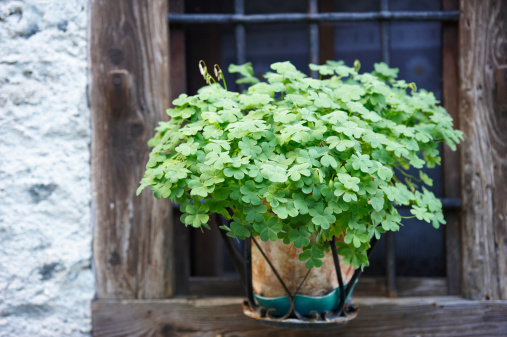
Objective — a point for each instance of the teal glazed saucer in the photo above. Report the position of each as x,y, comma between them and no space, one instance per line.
302,303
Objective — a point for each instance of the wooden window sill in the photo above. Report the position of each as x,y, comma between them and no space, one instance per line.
222,316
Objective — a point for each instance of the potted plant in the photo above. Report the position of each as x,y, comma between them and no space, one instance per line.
300,162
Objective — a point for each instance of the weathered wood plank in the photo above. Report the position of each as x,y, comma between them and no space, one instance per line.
483,46
445,317
451,159
129,91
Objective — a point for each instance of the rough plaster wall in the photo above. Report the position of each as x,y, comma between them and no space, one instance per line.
45,237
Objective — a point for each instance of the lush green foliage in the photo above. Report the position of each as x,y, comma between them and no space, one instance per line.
296,156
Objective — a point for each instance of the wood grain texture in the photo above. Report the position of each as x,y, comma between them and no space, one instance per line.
451,159
483,46
128,44
444,317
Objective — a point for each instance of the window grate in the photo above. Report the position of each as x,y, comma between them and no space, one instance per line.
313,18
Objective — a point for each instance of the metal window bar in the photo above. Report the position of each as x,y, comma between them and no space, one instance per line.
313,18
443,16
314,37
239,30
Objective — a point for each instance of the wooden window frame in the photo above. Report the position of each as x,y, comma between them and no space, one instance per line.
133,256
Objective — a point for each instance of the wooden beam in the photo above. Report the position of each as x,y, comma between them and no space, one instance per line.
178,54
129,92
326,33
483,47
436,317
451,159
182,239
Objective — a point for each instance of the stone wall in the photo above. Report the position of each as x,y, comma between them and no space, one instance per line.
46,282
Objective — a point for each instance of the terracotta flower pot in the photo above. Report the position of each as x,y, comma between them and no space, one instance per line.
284,258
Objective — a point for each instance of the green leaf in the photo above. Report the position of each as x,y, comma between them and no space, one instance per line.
327,161
198,188
251,100
255,213
339,144
349,182
382,70
268,230
376,231
238,173
322,69
322,100
391,192
391,222
249,147
297,170
218,160
421,213
300,238
384,173
176,172
350,129
376,140
211,177
239,230
196,220
283,67
336,117
314,255
245,69
182,100
284,210
377,217
249,193
347,93
196,215
361,162
398,149
383,157
188,148
377,202
424,177
438,219
322,217
349,196
275,174
216,206
301,203
356,239
284,116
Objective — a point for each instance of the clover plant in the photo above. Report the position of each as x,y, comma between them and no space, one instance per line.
295,158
